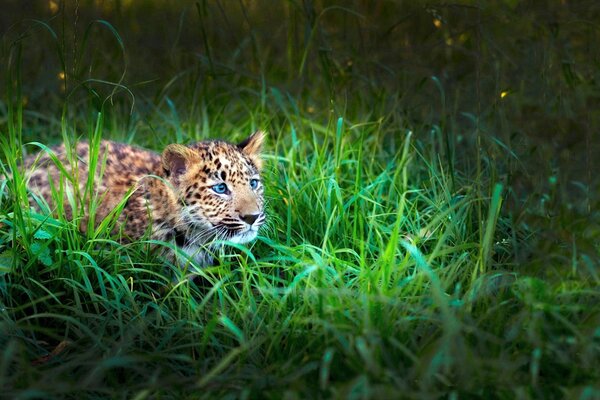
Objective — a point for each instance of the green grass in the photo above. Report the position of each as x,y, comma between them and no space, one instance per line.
411,251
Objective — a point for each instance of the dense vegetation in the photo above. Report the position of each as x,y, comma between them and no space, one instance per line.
432,196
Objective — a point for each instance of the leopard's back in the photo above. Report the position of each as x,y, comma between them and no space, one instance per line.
117,169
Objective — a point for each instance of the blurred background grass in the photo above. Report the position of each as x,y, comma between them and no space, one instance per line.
501,92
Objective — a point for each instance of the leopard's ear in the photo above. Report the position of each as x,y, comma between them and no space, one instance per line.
252,147
176,159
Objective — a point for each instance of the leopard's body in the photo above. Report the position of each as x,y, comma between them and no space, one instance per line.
189,195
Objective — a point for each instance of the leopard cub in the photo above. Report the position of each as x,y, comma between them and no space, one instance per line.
188,195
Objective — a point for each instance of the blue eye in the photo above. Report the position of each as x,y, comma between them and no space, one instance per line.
253,183
220,188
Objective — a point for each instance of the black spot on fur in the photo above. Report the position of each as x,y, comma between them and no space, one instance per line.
180,238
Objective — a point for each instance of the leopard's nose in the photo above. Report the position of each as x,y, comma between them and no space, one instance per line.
249,218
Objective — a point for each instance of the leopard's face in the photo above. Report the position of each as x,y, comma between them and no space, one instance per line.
219,188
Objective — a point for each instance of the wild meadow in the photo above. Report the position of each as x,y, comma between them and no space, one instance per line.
433,201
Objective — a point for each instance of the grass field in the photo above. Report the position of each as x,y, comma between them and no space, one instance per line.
433,225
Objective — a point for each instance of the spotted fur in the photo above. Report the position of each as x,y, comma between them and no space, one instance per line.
170,197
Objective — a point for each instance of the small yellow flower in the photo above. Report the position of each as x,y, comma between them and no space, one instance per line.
437,23
283,198
61,75
503,94
53,6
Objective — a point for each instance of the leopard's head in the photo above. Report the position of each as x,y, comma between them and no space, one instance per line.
219,188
